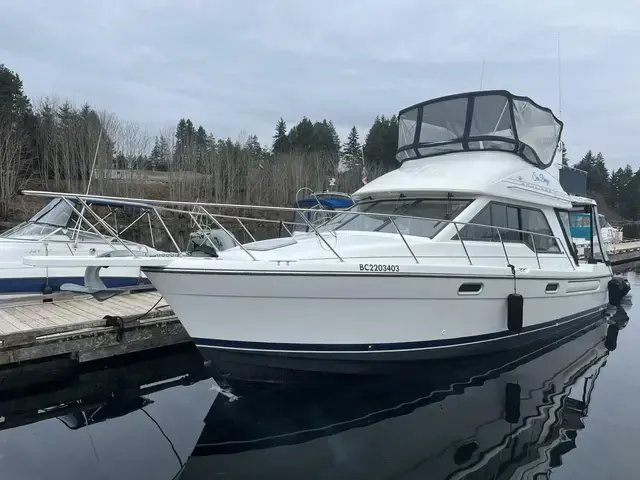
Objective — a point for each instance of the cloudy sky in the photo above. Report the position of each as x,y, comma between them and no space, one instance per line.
239,65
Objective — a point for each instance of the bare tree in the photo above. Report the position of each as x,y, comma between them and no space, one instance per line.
13,161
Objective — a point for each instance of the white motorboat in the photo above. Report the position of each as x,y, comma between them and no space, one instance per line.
610,234
55,230
464,249
581,235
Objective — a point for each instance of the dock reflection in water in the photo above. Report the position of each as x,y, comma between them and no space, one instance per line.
138,418
506,417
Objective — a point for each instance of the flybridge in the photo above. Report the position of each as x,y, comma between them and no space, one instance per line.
486,120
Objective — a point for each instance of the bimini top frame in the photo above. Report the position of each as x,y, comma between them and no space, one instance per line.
486,120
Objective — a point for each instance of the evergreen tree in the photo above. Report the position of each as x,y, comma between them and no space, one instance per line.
302,136
155,155
160,155
120,161
324,138
334,134
381,142
351,148
185,136
253,147
280,139
201,138
13,100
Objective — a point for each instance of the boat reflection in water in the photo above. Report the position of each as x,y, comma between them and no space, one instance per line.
503,417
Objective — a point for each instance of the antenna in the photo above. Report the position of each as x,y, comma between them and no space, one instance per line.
559,81
482,73
365,174
93,166
560,145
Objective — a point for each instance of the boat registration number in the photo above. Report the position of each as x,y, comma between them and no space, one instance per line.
376,267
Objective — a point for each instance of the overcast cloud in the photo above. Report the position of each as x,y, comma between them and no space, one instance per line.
239,65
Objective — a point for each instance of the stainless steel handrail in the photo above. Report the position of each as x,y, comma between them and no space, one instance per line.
105,225
162,205
535,249
81,219
404,240
213,219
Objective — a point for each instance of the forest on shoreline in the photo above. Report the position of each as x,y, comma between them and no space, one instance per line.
51,144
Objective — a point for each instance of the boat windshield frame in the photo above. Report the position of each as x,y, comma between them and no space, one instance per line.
401,212
56,218
489,120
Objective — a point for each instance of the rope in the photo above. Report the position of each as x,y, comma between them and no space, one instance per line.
148,311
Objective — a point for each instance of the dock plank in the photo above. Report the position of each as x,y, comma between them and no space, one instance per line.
74,326
11,320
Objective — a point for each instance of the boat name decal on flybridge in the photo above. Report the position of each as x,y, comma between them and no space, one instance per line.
536,186
538,177
375,267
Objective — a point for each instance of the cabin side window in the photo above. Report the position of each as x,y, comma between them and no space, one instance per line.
508,219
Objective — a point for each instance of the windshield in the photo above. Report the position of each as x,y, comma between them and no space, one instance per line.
603,222
32,231
56,219
57,213
430,212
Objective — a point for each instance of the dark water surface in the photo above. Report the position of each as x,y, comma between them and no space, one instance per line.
566,411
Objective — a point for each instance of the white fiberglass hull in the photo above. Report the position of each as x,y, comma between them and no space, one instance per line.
18,278
347,321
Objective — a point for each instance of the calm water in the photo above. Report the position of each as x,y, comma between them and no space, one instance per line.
567,411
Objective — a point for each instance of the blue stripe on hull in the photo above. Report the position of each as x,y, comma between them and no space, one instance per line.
37,284
377,347
249,363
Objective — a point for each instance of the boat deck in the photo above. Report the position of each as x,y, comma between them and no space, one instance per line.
77,326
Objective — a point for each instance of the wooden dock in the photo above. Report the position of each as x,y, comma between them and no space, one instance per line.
81,329
625,255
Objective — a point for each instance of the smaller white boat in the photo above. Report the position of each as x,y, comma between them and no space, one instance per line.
581,231
56,230
610,234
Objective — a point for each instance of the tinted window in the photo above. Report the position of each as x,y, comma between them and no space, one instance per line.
497,215
506,216
478,233
535,221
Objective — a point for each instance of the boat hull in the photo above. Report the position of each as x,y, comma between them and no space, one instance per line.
41,284
274,327
18,278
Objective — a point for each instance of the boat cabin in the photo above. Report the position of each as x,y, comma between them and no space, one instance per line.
475,166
